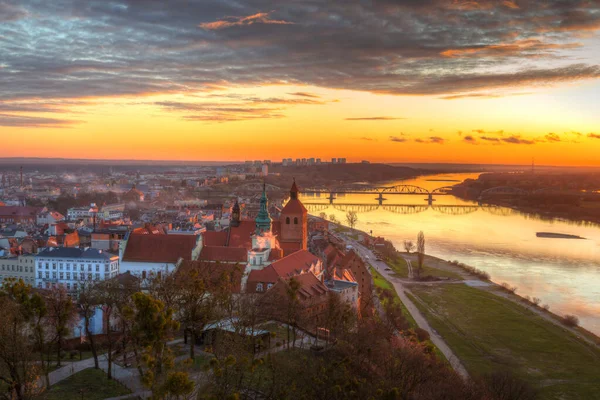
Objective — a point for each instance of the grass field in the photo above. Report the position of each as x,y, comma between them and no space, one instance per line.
488,332
383,283
400,268
89,384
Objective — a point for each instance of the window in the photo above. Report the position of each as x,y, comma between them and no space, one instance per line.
62,275
53,265
54,275
269,286
47,265
287,220
97,277
106,268
89,267
143,274
40,274
60,266
68,275
81,276
97,268
259,287
47,275
74,286
295,220
68,286
81,267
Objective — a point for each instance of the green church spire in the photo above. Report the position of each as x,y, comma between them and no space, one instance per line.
263,219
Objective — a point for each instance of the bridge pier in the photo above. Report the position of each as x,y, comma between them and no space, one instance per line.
430,199
380,199
331,198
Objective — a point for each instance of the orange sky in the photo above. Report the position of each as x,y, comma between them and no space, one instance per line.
137,128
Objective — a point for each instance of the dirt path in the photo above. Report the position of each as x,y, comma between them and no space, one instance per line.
437,340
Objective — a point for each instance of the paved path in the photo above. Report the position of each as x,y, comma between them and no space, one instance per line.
410,268
437,340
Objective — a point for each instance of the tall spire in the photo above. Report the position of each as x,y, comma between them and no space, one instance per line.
294,191
263,219
235,214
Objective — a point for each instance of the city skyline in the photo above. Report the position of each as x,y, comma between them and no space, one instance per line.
436,81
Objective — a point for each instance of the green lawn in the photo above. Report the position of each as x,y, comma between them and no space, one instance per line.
89,384
400,268
488,332
384,284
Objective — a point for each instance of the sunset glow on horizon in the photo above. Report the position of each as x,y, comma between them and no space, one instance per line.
487,83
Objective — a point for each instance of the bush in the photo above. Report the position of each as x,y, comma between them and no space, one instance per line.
422,334
536,301
570,320
73,355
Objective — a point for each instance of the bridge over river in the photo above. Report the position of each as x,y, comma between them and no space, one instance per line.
406,209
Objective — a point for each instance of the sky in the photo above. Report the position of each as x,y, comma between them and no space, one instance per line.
379,80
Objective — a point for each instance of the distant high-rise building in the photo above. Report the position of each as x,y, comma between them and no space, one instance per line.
318,161
311,161
334,160
298,161
341,161
265,169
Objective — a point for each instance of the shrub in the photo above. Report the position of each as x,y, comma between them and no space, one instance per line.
73,355
422,334
570,320
536,301
546,307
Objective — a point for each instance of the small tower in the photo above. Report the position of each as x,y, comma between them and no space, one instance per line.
235,215
263,219
294,220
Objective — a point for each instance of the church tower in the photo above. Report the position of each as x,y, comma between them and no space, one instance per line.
294,220
235,215
263,219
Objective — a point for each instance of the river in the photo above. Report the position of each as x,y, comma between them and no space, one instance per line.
563,273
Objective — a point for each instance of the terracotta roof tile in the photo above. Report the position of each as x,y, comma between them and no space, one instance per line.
159,248
224,254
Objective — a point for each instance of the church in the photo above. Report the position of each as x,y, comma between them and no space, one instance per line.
269,249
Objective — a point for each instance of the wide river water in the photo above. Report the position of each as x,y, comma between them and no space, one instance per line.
563,273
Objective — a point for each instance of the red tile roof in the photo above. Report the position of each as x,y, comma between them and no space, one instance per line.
294,206
159,248
310,286
224,254
295,264
12,211
212,238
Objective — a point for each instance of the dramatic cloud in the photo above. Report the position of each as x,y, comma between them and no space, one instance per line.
305,94
258,18
593,135
444,48
431,139
470,139
34,122
489,139
398,139
234,107
516,139
484,132
552,137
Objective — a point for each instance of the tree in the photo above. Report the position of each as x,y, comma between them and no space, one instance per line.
352,218
333,219
89,302
150,326
420,252
20,311
61,316
323,216
18,372
409,246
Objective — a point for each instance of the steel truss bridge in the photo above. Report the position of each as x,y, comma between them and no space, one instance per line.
406,209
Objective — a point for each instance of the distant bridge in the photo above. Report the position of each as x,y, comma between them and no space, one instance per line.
406,209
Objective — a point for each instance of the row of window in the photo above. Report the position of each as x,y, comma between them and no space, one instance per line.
15,268
260,287
287,220
62,275
81,267
26,279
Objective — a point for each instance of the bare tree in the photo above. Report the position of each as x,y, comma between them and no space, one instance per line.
420,252
322,215
89,303
409,246
352,218
333,219
61,316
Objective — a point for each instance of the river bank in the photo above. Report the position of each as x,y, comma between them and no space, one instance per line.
489,328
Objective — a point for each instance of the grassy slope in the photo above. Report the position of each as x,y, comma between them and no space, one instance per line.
89,384
401,270
488,333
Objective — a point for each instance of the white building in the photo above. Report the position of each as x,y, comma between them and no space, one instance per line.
20,267
48,217
142,254
69,266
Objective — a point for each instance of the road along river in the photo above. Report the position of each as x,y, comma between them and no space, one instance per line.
563,273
